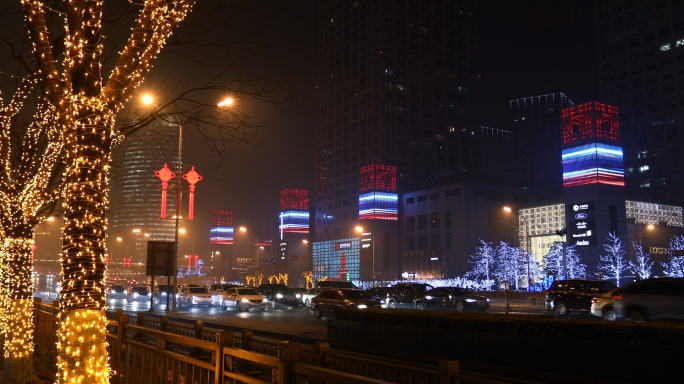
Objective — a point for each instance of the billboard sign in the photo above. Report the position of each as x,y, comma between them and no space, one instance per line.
581,224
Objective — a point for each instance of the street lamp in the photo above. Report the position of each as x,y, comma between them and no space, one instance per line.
359,230
148,99
527,238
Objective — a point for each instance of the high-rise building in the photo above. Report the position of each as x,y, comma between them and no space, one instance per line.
135,194
640,47
537,132
396,86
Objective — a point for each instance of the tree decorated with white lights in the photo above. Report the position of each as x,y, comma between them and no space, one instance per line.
484,261
553,262
643,265
614,263
674,267
511,264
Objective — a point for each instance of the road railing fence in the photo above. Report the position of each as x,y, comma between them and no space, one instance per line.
148,350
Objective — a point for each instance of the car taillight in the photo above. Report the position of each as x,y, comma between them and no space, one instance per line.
593,300
617,297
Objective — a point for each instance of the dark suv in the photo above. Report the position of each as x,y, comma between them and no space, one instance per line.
574,295
278,294
418,296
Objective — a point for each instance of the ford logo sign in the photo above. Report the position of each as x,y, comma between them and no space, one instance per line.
581,216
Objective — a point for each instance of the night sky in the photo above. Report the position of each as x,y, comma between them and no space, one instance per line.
518,59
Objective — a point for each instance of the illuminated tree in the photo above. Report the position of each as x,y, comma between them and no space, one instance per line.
614,262
675,265
308,275
642,267
511,264
484,261
553,262
283,277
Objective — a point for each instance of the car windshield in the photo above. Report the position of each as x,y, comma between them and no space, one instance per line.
423,287
140,290
197,290
247,291
117,288
165,288
356,294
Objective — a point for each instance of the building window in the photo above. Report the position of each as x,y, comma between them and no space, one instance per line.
665,47
411,223
643,168
448,241
422,221
410,243
447,218
410,200
645,184
435,242
423,242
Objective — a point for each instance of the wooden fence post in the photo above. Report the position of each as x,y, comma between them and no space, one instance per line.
321,349
55,328
247,337
120,348
448,371
225,339
288,354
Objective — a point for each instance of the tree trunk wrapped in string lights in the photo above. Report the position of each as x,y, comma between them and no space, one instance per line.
87,107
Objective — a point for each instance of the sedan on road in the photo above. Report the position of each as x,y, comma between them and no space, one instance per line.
327,301
138,294
194,296
243,298
464,299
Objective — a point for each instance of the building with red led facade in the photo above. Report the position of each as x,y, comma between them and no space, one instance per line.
294,254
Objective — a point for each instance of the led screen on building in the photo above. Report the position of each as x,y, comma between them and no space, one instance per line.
378,177
590,121
593,163
581,224
336,259
221,226
294,199
293,222
221,235
378,205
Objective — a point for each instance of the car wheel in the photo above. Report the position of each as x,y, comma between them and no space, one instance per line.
420,305
459,306
561,309
392,304
608,314
238,307
636,315
224,304
317,313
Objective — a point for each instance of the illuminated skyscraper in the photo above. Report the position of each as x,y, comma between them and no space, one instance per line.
135,192
640,47
396,86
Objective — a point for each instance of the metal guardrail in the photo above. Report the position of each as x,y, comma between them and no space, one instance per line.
144,350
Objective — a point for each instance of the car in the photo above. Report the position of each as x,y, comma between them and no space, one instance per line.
574,295
464,299
417,296
116,291
310,294
278,294
602,305
651,299
138,294
243,298
380,294
327,301
194,296
217,291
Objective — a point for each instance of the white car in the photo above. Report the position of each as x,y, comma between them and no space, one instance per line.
243,298
602,306
194,296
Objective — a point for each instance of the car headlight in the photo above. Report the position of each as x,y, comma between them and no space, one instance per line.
471,300
279,296
298,295
428,297
195,297
361,306
135,295
449,297
488,299
244,300
265,300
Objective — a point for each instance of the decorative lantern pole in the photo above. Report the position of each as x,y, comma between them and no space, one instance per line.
165,174
192,177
